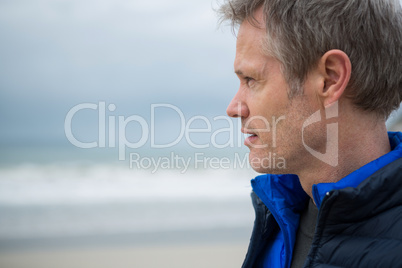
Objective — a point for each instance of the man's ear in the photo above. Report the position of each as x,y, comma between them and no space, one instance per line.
335,68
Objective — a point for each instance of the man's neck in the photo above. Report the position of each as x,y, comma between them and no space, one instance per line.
358,145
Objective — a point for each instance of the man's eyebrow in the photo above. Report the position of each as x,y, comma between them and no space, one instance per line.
238,72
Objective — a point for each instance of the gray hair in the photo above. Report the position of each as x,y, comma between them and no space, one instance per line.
300,32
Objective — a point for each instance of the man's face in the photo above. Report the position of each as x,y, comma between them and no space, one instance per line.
271,120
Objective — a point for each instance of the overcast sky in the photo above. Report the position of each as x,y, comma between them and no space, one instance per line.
55,54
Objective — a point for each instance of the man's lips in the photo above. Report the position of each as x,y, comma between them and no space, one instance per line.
248,132
251,137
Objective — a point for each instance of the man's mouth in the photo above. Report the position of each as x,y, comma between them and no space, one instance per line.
250,137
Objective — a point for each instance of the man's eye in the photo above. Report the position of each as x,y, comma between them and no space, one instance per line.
249,81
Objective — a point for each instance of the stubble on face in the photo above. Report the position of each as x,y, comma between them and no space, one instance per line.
284,142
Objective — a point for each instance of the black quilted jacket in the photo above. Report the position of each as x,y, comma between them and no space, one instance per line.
356,227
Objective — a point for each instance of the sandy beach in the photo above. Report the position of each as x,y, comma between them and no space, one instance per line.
177,256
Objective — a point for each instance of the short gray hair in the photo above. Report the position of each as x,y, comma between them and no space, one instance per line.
300,32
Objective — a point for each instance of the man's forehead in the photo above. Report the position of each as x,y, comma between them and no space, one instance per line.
250,40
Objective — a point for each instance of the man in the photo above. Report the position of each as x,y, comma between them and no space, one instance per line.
318,79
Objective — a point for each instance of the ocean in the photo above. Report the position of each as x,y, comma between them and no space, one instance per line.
76,198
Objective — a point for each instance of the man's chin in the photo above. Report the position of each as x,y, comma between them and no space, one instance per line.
275,171
271,163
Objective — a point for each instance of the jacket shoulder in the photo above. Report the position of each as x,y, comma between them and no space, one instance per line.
362,227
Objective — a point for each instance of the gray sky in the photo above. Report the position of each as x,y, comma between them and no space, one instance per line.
56,54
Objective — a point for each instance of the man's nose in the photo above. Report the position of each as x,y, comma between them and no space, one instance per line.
237,107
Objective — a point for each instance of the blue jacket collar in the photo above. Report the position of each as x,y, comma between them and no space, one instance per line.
285,198
358,176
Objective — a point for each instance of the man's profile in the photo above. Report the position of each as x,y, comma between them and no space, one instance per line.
328,74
